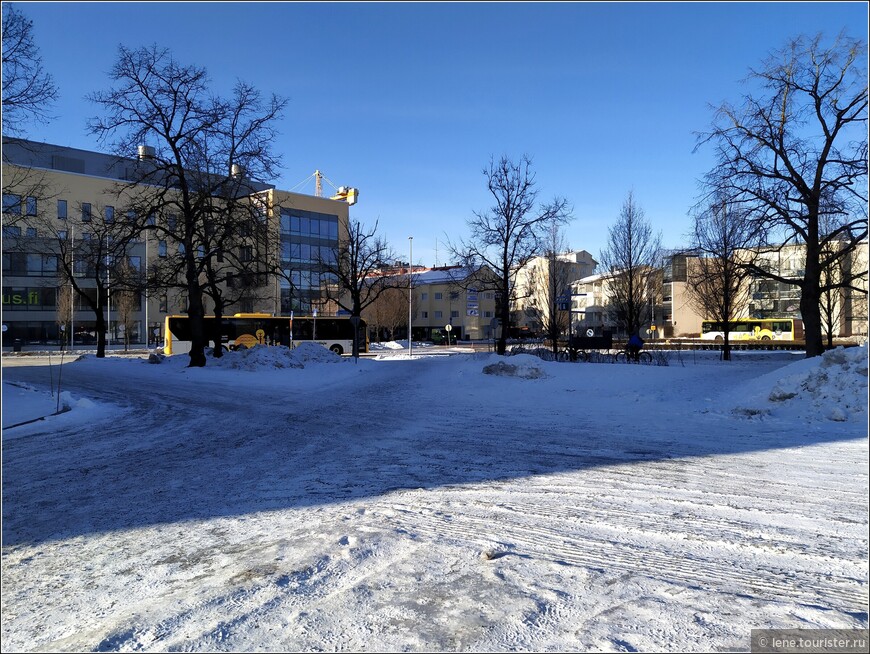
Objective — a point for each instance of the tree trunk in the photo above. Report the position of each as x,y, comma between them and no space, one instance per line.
812,320
101,330
218,342
197,332
504,311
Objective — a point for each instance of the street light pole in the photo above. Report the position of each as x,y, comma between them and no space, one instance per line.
108,296
410,298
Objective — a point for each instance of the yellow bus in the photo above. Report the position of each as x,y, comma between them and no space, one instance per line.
752,329
246,330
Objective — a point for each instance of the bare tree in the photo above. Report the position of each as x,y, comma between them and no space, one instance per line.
388,312
354,271
64,308
28,91
204,153
840,281
718,279
631,260
127,297
28,94
508,235
90,247
796,153
545,283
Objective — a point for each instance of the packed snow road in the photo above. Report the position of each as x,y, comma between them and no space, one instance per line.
426,505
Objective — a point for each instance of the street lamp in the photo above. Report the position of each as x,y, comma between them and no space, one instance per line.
410,298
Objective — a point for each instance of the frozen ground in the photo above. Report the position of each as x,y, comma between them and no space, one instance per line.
295,501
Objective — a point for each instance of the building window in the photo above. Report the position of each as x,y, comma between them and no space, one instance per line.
131,216
454,314
171,222
31,232
86,212
439,296
437,314
424,297
487,314
152,220
110,214
31,206
245,253
49,264
425,314
11,231
246,305
11,203
164,304
61,234
454,295
161,249
61,209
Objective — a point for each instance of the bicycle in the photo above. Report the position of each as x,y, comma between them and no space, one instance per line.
584,356
627,357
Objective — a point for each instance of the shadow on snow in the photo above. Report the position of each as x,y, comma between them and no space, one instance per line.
218,464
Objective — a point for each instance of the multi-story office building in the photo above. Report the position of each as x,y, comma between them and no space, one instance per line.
53,193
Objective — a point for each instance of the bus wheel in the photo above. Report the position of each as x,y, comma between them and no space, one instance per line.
337,349
765,338
719,339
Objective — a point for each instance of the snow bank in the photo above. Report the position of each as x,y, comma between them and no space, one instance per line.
830,387
262,358
23,403
389,345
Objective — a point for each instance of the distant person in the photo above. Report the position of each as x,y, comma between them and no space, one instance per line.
635,345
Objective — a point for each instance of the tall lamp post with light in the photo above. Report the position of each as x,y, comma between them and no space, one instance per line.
410,297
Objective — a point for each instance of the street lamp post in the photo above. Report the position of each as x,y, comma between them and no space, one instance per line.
410,298
108,296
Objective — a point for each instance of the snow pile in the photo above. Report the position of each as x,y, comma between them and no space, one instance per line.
260,357
525,368
389,345
830,387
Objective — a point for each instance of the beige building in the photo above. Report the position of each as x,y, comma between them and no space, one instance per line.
53,193
846,309
676,316
541,279
589,305
449,296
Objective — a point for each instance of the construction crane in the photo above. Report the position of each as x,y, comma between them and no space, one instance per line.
342,193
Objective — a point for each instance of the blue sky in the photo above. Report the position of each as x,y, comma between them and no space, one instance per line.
408,101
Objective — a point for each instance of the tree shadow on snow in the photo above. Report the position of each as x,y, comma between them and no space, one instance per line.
229,460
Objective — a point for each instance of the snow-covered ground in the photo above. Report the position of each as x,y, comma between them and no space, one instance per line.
299,501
